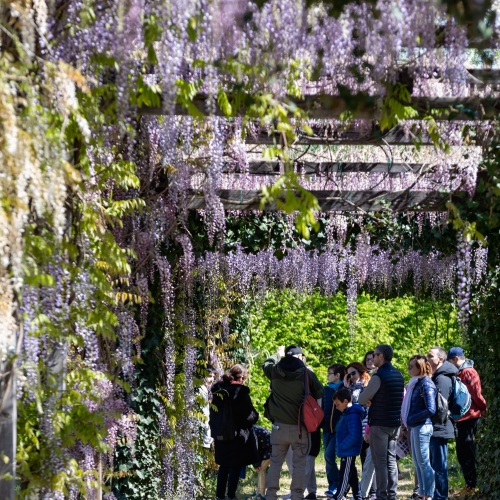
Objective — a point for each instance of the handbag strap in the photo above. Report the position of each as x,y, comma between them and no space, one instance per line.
306,393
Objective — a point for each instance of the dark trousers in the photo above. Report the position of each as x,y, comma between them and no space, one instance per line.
332,470
227,476
348,476
466,449
438,449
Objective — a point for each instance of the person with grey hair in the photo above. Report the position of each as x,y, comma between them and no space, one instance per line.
384,396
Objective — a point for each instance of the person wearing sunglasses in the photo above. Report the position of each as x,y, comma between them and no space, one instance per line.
335,376
384,396
419,406
356,379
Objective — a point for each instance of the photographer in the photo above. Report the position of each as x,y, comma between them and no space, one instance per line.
286,371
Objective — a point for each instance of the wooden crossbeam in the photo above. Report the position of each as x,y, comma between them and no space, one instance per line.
484,76
363,106
397,136
325,168
348,201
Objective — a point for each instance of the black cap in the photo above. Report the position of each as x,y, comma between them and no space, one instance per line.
293,350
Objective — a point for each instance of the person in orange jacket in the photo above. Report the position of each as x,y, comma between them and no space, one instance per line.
467,425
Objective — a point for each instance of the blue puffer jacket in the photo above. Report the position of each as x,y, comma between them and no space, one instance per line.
350,432
423,403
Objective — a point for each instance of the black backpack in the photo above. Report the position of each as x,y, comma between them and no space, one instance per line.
224,427
441,415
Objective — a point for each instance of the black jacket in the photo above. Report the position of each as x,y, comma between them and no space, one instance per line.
443,379
242,450
385,409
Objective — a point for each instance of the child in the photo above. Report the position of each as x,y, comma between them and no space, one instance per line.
349,439
336,373
265,449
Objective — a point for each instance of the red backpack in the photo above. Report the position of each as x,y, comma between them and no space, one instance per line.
310,413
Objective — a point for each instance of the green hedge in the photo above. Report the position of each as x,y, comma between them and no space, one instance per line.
319,325
484,349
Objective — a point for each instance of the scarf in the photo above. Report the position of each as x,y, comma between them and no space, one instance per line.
405,409
334,386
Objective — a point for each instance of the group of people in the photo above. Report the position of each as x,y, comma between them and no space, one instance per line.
368,412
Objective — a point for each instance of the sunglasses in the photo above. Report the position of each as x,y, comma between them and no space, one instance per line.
352,373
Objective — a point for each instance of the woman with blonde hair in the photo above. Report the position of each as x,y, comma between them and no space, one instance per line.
419,405
231,423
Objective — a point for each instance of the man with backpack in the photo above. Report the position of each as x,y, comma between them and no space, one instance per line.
467,425
442,376
287,374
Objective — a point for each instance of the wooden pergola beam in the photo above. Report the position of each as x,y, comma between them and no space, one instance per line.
348,201
349,136
322,106
326,168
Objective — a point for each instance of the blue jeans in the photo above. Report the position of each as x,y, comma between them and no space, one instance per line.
439,462
420,440
332,469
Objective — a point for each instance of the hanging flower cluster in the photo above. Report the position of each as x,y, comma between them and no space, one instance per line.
74,183
349,268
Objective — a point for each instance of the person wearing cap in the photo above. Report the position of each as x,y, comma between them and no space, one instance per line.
286,371
467,425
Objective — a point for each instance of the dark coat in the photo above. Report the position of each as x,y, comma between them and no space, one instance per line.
315,443
350,431
242,450
332,415
443,379
423,403
385,409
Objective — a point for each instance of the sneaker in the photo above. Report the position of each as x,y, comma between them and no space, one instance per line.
330,493
311,496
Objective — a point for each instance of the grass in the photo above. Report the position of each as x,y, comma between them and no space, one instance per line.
248,485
